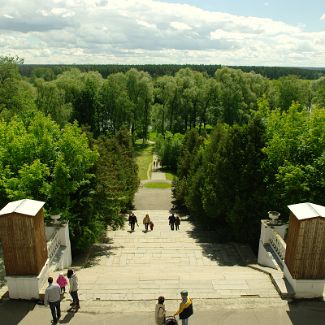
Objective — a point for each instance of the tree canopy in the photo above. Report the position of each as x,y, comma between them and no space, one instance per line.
241,140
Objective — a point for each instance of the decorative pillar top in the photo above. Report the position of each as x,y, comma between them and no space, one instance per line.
307,210
25,207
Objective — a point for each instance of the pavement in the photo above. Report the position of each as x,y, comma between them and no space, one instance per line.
153,199
236,313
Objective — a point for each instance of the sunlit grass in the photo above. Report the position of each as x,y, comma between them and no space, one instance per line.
144,158
170,176
158,185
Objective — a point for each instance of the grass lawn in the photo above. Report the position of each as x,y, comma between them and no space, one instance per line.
169,175
160,185
143,154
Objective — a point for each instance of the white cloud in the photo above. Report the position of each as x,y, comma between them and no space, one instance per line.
147,31
322,17
180,26
8,16
145,24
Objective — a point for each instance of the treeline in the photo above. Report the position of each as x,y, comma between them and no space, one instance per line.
159,70
190,99
46,155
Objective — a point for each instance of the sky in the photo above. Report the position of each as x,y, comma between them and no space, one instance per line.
226,32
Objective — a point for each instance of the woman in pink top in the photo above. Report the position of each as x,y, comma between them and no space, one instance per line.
62,282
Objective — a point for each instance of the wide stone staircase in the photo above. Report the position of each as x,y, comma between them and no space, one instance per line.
143,265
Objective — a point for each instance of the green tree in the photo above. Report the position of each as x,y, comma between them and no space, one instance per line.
294,163
39,160
116,176
239,94
291,89
225,181
51,101
318,87
168,148
191,144
16,95
86,106
165,92
140,91
115,104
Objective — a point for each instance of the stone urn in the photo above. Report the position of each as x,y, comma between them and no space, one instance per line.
274,215
55,218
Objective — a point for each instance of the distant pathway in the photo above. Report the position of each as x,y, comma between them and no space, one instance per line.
153,199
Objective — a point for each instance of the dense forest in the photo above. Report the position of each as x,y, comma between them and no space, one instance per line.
158,70
240,143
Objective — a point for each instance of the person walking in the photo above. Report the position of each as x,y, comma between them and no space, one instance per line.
171,219
185,309
53,298
177,222
146,221
132,221
62,282
73,281
160,311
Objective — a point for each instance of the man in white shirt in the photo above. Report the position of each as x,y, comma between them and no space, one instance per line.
53,298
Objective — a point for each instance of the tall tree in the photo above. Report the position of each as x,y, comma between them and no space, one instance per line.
140,92
295,151
87,103
115,105
16,95
41,161
51,101
226,186
292,89
116,176
165,92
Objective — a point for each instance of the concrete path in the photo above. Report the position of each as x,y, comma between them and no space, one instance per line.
157,174
153,199
142,266
26,313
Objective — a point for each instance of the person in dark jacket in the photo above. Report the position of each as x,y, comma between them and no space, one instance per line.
177,222
132,220
172,221
185,309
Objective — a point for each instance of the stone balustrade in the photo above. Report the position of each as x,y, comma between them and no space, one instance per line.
53,245
278,244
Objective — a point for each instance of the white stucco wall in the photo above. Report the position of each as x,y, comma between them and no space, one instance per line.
305,288
27,287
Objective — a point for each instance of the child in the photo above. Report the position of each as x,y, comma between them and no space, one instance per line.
62,282
160,311
151,224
